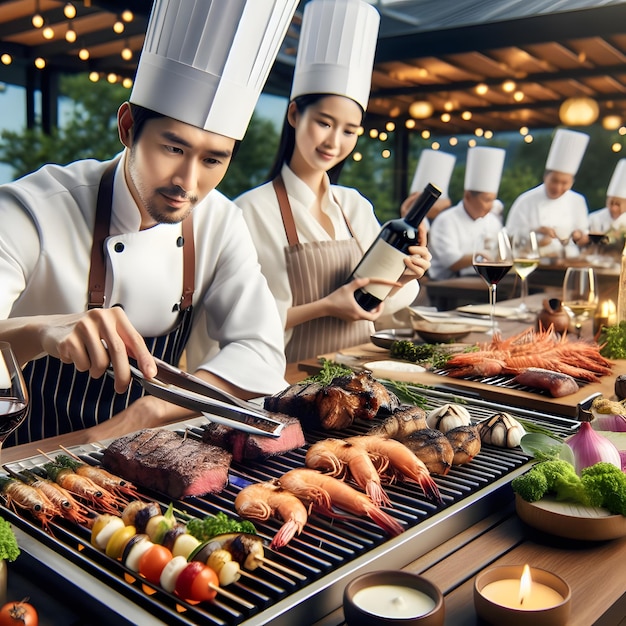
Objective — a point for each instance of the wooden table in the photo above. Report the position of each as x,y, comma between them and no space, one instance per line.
595,571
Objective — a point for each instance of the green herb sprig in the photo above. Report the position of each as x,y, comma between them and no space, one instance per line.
330,370
613,341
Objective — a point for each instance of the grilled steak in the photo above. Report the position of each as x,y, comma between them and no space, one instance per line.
336,405
245,446
160,459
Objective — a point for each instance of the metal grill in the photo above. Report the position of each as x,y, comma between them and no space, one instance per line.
304,580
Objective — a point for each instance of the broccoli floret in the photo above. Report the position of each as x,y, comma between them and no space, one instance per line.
9,550
555,470
531,486
569,487
605,486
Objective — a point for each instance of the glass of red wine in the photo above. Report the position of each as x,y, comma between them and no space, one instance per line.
13,393
492,259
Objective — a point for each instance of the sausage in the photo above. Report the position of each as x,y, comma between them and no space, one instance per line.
555,383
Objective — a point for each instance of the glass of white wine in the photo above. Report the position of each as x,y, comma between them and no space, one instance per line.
492,259
13,393
580,294
525,262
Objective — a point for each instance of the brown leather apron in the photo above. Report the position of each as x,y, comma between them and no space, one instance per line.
64,399
316,269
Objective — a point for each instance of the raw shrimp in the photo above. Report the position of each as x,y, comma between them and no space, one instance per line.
260,501
402,460
320,488
84,488
20,495
65,502
334,456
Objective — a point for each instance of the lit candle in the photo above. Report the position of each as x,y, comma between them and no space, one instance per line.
606,315
393,601
523,594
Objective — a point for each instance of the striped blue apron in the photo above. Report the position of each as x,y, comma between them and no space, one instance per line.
62,399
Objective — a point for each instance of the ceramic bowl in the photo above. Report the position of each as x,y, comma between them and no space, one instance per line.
356,615
442,332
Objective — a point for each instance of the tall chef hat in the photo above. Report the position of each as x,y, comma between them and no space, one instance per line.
336,49
433,167
484,169
205,62
617,184
567,151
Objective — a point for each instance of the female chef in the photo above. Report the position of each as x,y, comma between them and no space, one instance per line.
309,233
102,261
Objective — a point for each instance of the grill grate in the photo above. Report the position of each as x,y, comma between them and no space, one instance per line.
323,546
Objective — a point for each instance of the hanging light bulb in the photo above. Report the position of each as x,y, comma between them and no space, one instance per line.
445,117
83,54
40,63
127,82
70,33
112,78
466,115
410,124
390,126
127,53
357,156
425,134
579,111
435,145
616,147
508,86
481,89
69,10
611,122
385,154
94,77
127,15
518,96
37,19
48,33
420,109
373,133
118,27
453,141
6,59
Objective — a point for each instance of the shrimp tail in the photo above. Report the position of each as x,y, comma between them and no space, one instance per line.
378,495
385,521
286,533
430,489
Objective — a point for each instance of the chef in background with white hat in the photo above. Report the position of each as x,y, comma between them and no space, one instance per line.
309,232
140,257
452,234
613,216
434,166
553,209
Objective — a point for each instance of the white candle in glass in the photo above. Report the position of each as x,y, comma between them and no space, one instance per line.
393,601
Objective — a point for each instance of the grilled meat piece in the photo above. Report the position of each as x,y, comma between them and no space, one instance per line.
465,442
162,460
433,448
246,446
401,423
336,405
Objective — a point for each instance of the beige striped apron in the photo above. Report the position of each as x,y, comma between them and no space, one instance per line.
316,269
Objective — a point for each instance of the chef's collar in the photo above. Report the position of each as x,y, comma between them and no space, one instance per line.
125,214
303,192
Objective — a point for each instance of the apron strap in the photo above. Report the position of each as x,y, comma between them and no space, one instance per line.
285,211
97,271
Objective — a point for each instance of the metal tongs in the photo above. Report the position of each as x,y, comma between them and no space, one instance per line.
186,390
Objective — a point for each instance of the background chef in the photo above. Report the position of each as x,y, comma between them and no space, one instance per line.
553,209
452,235
102,261
613,215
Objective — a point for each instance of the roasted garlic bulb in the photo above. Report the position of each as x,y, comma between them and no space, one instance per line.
501,430
447,417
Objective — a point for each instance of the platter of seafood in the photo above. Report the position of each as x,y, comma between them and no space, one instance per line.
369,479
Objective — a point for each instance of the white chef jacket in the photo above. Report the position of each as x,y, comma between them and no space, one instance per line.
533,209
262,214
453,235
45,243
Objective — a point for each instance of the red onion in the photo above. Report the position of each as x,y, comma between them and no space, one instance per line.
614,423
590,448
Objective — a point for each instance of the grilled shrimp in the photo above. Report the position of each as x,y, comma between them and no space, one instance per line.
335,456
98,475
320,489
68,506
260,501
402,460
28,498
84,488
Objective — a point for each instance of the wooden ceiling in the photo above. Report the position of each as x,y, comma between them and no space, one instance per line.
438,51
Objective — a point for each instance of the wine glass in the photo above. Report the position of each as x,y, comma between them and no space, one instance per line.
595,239
13,393
563,234
492,259
580,294
525,262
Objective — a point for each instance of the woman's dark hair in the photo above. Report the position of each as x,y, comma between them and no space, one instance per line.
141,115
288,139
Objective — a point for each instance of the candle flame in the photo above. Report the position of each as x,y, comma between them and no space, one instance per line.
524,584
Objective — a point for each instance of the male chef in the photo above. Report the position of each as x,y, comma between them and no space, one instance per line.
140,256
553,209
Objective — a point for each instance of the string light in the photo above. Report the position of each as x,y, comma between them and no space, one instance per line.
453,141
611,122
385,154
445,117
488,134
523,131
448,106
435,145
127,53
360,130
390,126
508,86
70,34
382,136
481,89
410,124
528,138
112,78
425,134
479,132
40,63
118,27
127,15
471,143
357,156
420,109
6,59
518,96
48,33
37,19
94,77
466,115
622,130
127,82
69,10
373,133
616,147
83,54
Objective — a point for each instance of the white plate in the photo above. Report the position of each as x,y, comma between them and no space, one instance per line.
393,366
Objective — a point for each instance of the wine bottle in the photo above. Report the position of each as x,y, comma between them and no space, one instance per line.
385,257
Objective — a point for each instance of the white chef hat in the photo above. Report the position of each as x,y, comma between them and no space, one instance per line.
484,169
205,62
433,167
567,151
336,49
617,184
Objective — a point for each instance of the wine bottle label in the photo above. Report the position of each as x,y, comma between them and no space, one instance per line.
382,261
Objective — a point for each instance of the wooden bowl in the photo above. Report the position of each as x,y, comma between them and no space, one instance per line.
442,332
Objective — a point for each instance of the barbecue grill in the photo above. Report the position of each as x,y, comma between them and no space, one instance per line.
304,581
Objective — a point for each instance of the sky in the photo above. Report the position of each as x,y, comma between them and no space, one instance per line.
13,115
